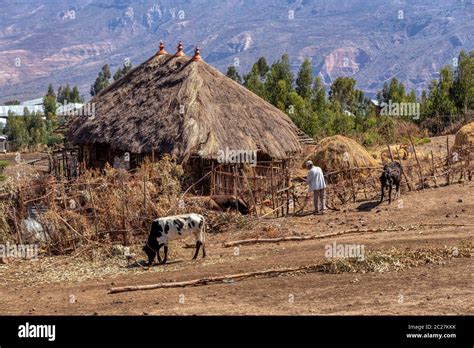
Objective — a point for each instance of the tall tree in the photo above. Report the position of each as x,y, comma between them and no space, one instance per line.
36,128
49,102
301,114
64,94
262,67
463,88
253,83
318,96
343,91
75,97
102,80
16,131
233,74
279,71
304,79
124,70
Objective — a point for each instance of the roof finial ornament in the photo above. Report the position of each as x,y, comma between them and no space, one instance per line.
197,56
180,52
162,50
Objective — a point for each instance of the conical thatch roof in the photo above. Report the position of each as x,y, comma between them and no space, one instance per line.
184,107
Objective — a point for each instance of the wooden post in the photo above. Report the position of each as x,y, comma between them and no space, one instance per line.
469,173
234,179
93,207
418,162
124,222
352,180
448,161
18,233
144,190
250,192
272,186
433,169
212,179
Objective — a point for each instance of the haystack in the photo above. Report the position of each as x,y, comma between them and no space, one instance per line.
400,152
338,152
465,136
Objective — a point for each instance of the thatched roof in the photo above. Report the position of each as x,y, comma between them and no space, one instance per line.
184,107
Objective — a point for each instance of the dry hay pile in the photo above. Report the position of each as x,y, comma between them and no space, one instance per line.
399,153
397,260
465,136
337,153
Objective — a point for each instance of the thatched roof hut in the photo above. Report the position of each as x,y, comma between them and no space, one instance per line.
178,105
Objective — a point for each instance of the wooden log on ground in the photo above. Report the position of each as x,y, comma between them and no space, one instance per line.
219,279
304,238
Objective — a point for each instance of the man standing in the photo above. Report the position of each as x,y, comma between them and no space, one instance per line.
317,185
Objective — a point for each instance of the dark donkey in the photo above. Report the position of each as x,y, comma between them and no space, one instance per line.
392,175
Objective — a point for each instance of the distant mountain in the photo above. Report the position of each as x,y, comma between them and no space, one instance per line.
67,41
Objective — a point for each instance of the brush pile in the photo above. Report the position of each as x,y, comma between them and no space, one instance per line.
110,206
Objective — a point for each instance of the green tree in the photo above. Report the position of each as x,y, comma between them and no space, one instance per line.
301,114
12,102
441,92
124,70
50,102
342,90
318,96
233,74
262,67
304,79
281,95
75,96
463,87
279,71
383,95
102,80
16,131
253,83
35,127
64,94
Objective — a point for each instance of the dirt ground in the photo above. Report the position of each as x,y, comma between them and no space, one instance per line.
79,286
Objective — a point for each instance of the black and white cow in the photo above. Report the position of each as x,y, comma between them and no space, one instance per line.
172,228
392,175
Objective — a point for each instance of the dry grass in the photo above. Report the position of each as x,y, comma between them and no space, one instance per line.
113,207
101,209
396,260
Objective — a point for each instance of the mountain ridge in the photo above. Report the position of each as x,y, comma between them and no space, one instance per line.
68,41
